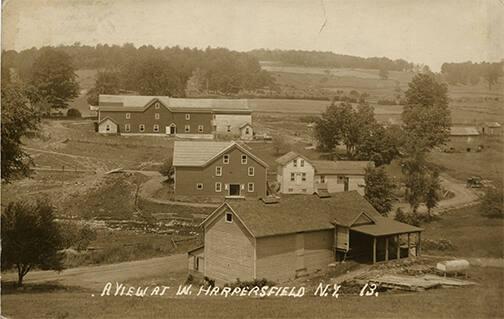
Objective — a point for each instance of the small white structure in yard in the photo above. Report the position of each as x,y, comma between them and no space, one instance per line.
107,126
453,266
246,131
298,175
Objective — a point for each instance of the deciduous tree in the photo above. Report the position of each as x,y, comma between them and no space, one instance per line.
378,190
30,238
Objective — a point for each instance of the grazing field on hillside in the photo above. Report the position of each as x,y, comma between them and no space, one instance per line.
472,234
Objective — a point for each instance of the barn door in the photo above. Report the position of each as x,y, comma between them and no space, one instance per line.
300,265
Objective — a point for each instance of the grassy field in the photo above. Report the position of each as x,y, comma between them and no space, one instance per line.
472,234
481,301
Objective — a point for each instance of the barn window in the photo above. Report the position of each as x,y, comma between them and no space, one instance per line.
218,187
218,170
251,187
127,127
229,128
199,186
225,159
229,217
128,116
141,127
322,178
156,106
188,117
156,128
188,128
251,171
156,116
200,128
244,159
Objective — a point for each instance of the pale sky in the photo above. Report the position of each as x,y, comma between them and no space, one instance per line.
420,31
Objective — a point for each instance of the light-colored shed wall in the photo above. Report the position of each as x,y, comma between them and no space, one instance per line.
102,128
333,187
234,120
229,251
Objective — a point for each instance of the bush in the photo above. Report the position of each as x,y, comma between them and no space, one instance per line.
74,113
493,203
408,218
441,244
166,169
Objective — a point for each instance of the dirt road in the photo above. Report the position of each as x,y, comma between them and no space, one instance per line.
94,277
463,196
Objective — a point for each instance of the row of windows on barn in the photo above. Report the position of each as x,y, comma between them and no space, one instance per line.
157,116
218,187
155,128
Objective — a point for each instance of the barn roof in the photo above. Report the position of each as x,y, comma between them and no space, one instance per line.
200,153
139,102
341,167
493,124
463,131
302,213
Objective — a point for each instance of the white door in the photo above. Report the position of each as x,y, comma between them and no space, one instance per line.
298,179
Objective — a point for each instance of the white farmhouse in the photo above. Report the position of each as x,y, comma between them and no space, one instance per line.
297,174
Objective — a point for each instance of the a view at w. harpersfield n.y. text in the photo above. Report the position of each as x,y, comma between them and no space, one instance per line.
262,159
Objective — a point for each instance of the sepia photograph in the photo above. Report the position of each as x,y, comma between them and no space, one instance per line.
252,159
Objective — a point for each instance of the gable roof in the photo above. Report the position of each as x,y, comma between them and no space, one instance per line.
138,103
201,153
107,118
463,131
286,158
341,167
301,213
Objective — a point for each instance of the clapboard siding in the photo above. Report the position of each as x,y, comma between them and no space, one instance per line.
276,257
318,250
229,251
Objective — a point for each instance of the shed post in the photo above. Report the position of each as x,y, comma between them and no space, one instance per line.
398,256
386,248
419,244
408,243
374,250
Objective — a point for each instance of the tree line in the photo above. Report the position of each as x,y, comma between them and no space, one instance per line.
149,70
469,73
330,59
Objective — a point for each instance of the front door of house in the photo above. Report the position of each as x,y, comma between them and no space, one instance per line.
173,130
234,189
298,178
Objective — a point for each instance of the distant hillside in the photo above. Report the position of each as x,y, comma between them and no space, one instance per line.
330,59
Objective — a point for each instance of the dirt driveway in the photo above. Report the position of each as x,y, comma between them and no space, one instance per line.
94,277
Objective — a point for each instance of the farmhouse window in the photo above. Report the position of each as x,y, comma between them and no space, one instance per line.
294,163
229,217
156,116
200,128
302,163
127,128
141,127
188,128
322,178
303,177
244,159
251,187
156,128
128,116
188,117
218,187
251,171
156,106
218,171
199,186
225,159
247,131
229,128
293,176
341,179
107,128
